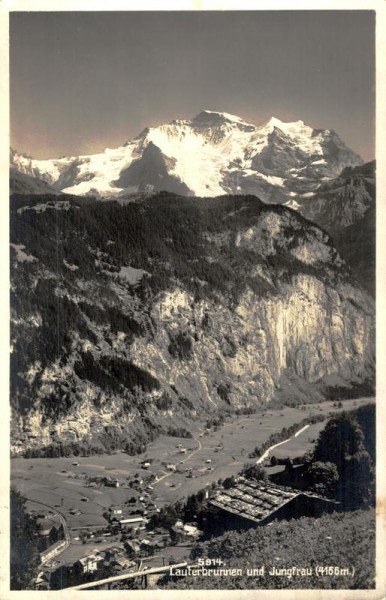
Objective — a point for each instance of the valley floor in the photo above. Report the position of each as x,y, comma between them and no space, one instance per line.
180,467
61,484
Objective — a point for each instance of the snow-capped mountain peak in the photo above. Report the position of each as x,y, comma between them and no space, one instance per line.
293,128
213,117
212,154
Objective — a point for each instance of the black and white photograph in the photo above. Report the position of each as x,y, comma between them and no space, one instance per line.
192,313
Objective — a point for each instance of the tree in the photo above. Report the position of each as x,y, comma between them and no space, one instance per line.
25,557
323,478
83,537
342,443
342,437
175,536
192,507
229,482
365,416
166,518
252,471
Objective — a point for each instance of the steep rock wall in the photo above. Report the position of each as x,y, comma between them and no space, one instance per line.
258,309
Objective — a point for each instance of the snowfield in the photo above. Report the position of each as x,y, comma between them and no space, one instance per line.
212,154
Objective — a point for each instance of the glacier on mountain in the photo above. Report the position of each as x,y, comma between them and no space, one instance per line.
212,154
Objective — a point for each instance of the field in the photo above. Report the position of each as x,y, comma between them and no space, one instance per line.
61,484
301,444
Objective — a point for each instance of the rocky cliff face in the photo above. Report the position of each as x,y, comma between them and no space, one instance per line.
132,319
343,200
345,207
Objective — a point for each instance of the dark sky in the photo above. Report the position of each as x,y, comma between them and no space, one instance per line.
83,81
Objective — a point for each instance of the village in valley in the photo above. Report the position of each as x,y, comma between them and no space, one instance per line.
126,519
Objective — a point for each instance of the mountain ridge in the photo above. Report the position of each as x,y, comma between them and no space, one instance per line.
212,154
345,207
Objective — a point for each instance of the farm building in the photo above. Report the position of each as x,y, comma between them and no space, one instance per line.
136,481
89,563
79,564
52,551
128,522
115,513
112,483
185,530
148,547
132,548
251,503
122,563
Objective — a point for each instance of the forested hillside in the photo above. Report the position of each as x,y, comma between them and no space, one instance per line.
126,313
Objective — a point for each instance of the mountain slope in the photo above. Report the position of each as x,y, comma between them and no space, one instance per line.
21,183
345,207
342,201
212,154
130,318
